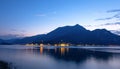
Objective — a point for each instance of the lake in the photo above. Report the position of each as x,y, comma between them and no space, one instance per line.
50,57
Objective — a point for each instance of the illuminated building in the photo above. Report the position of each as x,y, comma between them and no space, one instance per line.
63,44
30,44
41,44
55,44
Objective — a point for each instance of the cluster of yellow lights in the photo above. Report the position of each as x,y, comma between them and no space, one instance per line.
62,44
34,44
29,44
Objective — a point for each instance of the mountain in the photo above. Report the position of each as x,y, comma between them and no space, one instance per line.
3,42
64,31
32,39
68,34
105,37
74,35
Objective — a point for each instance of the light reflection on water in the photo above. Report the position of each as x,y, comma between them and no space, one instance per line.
62,50
59,58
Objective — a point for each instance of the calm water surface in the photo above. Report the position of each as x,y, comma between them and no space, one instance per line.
24,57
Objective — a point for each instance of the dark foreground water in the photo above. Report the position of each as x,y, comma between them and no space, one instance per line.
24,57
4,65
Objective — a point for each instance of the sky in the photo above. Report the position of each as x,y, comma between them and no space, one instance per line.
19,18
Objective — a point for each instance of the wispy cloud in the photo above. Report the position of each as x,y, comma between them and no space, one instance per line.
11,36
115,32
108,26
113,27
46,14
114,10
41,15
15,30
117,23
108,18
114,16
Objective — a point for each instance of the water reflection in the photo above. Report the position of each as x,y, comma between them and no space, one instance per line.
74,54
61,50
60,58
41,49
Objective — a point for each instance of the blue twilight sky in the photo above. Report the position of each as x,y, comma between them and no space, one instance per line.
32,17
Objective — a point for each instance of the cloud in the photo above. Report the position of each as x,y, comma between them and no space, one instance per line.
42,15
115,32
113,27
117,16
114,10
108,26
108,18
15,30
114,16
11,36
117,23
46,14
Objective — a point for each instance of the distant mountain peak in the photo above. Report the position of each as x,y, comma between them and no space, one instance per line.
77,26
102,30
